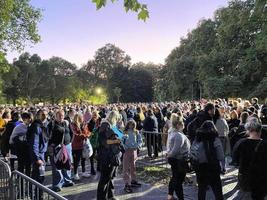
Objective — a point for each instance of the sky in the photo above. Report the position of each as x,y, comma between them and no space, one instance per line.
74,29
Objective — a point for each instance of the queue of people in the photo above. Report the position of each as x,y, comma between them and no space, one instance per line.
198,135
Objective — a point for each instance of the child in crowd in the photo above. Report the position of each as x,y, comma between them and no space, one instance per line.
131,141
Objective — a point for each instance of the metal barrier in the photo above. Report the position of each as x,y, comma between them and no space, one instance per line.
5,175
23,187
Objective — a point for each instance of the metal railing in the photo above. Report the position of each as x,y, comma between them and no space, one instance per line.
23,187
5,175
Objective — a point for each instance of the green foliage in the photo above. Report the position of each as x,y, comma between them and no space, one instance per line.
132,5
222,57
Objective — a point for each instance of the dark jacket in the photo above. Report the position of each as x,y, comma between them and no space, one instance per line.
57,131
37,138
192,127
150,124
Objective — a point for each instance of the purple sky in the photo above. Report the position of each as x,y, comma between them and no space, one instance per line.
74,30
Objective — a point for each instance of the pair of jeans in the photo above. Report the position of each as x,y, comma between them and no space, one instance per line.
77,157
209,176
105,185
38,194
61,177
177,179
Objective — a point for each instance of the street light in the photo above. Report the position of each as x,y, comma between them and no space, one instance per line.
98,91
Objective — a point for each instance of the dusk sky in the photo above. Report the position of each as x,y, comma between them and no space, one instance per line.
74,30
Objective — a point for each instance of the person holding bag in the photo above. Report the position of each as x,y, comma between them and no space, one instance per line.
178,147
61,136
80,137
109,155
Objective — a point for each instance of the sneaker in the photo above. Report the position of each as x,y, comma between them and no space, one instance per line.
56,189
76,177
68,184
85,175
135,184
128,189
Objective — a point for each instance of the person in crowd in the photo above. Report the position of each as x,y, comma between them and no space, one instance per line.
150,127
250,155
38,141
109,144
87,115
70,116
3,123
234,121
80,135
132,141
208,148
166,128
8,151
60,132
223,130
18,138
139,117
255,104
239,132
264,123
93,127
178,147
202,116
160,119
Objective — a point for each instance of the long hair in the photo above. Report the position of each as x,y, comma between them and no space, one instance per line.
127,127
113,117
78,120
207,131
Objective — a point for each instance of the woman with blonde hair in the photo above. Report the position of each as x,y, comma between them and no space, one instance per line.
80,135
178,147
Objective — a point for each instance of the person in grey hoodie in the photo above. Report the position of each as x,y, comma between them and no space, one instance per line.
18,139
208,152
178,146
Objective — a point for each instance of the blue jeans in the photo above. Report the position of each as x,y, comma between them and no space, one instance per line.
61,177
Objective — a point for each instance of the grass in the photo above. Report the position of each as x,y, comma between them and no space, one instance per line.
153,175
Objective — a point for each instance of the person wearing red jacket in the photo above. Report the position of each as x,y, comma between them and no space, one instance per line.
80,135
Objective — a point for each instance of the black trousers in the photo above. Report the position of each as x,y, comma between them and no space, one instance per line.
177,179
152,142
92,161
77,157
209,176
24,161
105,185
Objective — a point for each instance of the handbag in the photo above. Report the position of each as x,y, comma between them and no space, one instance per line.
61,157
87,149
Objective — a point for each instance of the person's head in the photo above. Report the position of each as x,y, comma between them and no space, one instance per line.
208,131
15,116
113,117
60,115
71,113
177,122
27,118
95,115
243,117
235,104
233,114
41,115
130,125
254,100
247,104
150,112
78,119
253,126
6,115
210,109
168,115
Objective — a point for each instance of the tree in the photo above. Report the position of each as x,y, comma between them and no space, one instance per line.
117,93
133,5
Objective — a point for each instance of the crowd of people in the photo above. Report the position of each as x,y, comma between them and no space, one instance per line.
198,135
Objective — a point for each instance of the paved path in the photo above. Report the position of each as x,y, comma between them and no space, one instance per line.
86,189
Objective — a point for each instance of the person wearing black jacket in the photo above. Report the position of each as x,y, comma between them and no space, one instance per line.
202,116
60,132
108,146
150,127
